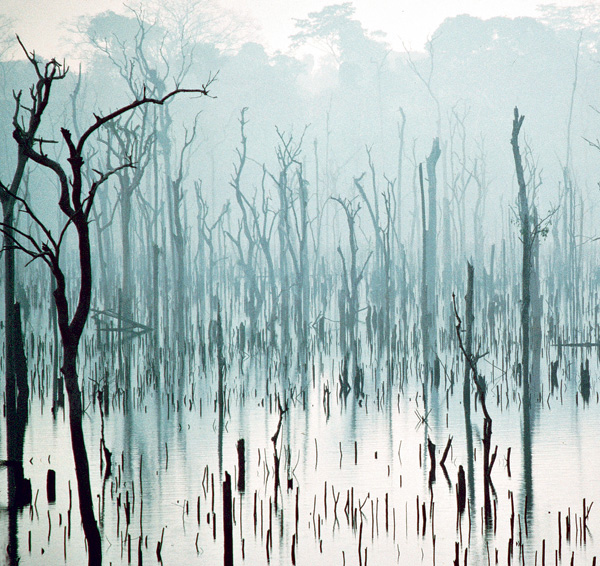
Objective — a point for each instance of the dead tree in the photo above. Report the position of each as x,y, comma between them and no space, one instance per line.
431,162
382,281
479,174
349,299
27,118
459,175
247,254
300,260
570,250
264,223
103,213
152,58
468,347
378,281
480,386
429,256
257,225
398,226
468,342
288,158
135,141
536,305
76,205
399,200
256,228
179,231
425,323
389,297
527,241
293,199
372,207
531,229
206,239
150,214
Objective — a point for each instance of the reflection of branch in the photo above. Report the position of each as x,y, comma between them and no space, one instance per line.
471,360
446,450
282,411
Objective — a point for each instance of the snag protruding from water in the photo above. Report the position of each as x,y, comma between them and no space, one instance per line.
274,439
488,462
461,491
227,522
241,465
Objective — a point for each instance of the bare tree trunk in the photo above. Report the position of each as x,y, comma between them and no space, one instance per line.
127,287
350,298
526,238
429,258
399,178
432,160
424,264
304,274
10,332
469,319
488,458
82,471
536,309
283,231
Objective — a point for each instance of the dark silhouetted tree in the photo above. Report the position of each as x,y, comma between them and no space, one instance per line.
76,204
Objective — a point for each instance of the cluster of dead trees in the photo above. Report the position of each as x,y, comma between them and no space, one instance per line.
285,263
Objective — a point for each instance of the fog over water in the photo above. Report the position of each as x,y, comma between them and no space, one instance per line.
300,292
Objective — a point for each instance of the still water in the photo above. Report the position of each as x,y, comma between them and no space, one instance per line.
356,473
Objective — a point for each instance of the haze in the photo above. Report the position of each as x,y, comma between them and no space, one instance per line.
300,283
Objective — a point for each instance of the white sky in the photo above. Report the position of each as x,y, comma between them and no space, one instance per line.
43,24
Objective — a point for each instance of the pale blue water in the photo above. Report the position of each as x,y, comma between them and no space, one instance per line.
315,450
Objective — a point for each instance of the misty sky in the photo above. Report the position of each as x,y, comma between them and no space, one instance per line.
44,25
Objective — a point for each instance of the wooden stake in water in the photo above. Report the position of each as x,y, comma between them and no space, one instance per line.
227,522
241,484
51,486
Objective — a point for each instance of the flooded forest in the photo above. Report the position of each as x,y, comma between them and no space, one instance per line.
338,305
